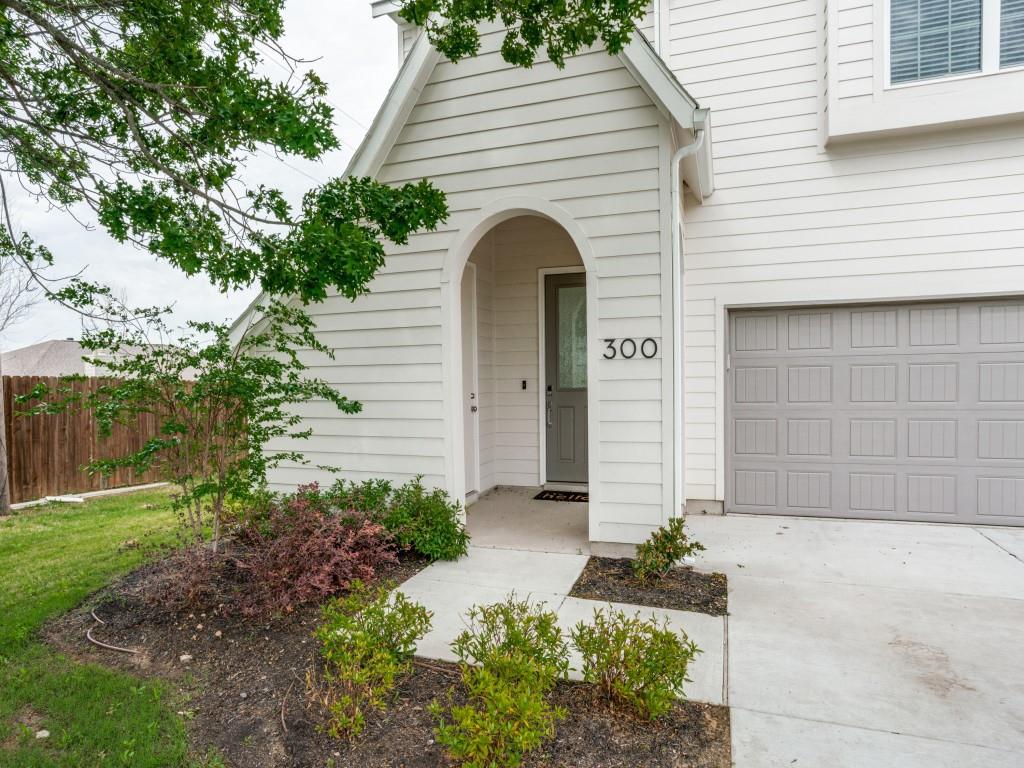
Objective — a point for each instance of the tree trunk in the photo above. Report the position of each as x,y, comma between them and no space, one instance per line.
5,484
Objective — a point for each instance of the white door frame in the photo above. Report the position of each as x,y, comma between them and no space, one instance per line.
473,483
542,273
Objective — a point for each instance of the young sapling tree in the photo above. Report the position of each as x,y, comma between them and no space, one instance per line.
222,404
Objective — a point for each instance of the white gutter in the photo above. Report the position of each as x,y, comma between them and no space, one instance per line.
677,306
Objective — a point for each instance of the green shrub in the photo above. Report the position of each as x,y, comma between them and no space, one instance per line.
665,547
521,655
502,721
371,497
515,640
427,522
639,662
367,640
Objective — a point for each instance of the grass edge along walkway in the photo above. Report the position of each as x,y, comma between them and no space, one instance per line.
51,558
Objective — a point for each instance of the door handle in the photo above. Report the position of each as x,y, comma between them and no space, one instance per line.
548,414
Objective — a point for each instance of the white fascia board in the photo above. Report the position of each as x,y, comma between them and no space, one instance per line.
658,82
677,105
384,8
381,137
391,117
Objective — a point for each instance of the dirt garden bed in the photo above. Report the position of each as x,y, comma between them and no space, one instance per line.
611,579
242,690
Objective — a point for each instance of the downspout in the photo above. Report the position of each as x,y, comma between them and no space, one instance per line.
676,171
657,26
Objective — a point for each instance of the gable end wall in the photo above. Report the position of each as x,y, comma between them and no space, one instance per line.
586,138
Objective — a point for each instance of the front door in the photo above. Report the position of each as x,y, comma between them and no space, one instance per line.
565,373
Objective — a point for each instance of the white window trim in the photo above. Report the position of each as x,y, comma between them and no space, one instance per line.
990,23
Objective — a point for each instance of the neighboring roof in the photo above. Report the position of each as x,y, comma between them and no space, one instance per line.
62,357
47,358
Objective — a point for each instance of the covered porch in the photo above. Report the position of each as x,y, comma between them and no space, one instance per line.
507,517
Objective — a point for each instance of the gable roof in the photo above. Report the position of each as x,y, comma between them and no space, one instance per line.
639,58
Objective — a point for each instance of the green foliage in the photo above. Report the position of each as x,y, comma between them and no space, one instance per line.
511,655
665,547
502,721
372,497
367,640
51,558
428,522
641,663
219,401
146,112
517,641
563,29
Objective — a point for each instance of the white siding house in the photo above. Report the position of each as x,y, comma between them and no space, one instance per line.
691,370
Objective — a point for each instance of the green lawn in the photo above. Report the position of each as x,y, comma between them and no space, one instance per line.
51,557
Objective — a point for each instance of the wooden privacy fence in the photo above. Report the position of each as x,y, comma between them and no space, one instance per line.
45,454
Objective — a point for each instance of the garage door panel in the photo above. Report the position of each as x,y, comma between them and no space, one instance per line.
912,412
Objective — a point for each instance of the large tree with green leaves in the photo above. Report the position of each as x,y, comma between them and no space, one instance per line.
560,27
141,114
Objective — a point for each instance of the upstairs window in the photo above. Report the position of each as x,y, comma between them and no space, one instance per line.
931,39
1011,33
934,38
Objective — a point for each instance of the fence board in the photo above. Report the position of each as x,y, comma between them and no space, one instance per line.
46,454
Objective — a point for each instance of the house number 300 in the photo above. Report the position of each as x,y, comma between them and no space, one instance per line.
630,348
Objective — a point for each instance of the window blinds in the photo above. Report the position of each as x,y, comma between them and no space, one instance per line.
934,38
1011,33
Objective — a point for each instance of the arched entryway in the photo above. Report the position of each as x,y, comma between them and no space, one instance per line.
523,311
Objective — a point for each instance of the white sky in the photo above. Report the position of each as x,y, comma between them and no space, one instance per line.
357,58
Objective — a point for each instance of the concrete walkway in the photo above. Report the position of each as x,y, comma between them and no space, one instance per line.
489,575
848,644
855,644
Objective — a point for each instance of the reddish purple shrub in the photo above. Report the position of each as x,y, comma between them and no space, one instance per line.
305,552
192,576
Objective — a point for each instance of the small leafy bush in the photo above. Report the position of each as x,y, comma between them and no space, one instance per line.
367,640
516,640
427,522
521,655
371,497
665,547
502,721
304,552
641,663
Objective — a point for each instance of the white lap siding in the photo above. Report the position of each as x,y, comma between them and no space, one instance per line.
898,217
587,138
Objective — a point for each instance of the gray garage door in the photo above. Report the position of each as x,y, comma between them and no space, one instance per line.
903,412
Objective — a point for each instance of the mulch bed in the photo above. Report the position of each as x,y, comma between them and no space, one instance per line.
243,693
611,579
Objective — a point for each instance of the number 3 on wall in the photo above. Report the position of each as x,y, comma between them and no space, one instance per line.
628,348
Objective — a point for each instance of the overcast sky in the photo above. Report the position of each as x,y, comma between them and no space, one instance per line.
358,59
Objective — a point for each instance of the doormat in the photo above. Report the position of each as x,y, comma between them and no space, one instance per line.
582,496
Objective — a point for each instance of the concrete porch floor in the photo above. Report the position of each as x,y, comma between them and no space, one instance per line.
510,518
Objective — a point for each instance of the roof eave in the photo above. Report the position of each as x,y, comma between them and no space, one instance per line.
384,8
678,106
391,116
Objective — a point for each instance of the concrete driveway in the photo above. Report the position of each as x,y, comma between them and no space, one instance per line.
871,645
